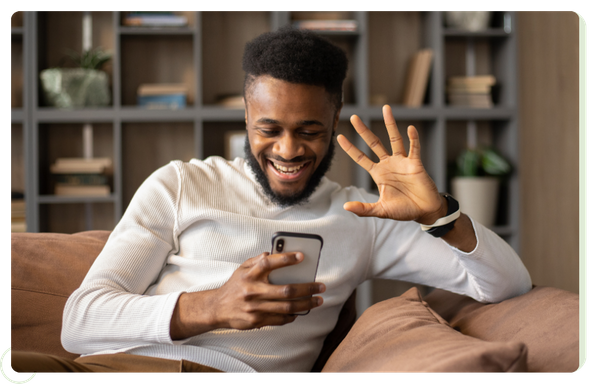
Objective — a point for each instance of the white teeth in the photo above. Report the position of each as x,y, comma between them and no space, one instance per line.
286,169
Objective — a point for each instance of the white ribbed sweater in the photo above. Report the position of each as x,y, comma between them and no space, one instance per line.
190,225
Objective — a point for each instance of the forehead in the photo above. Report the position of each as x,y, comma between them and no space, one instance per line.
270,97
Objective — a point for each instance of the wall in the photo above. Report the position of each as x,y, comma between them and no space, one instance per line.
549,146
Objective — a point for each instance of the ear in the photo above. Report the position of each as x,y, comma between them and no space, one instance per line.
336,119
245,112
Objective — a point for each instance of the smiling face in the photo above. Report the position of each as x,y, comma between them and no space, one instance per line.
290,129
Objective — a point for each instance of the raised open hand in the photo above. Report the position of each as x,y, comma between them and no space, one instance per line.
406,192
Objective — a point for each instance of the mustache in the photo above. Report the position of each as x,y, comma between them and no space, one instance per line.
299,159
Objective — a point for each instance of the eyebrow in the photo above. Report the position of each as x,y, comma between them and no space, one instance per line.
266,120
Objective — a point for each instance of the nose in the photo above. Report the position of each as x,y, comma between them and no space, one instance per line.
288,147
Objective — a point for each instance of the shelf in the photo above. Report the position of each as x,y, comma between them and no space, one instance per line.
133,114
491,32
496,113
218,113
17,115
156,31
88,115
432,113
16,31
53,199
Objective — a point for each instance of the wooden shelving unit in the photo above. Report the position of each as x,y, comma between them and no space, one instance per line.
206,55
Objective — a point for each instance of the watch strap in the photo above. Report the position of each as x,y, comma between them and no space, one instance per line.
444,224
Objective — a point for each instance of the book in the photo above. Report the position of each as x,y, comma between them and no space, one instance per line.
162,96
417,77
154,19
82,165
473,100
471,91
481,79
173,101
81,176
327,25
81,190
156,89
17,216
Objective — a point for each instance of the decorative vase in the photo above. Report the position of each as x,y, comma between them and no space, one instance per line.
75,87
470,21
478,197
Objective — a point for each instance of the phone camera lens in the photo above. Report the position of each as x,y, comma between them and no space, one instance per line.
279,245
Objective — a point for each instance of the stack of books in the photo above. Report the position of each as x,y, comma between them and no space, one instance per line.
417,77
162,96
154,19
327,25
82,177
471,91
17,214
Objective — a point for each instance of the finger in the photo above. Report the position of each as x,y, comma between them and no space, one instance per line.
291,291
414,151
363,209
356,154
369,137
290,307
263,264
268,291
393,132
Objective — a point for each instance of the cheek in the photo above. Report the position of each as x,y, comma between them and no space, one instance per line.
257,145
320,150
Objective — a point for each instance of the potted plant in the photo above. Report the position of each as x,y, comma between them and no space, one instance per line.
476,182
85,86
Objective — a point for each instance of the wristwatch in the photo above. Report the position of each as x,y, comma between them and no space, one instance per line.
446,223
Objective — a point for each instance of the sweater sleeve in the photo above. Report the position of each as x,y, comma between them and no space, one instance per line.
492,272
109,311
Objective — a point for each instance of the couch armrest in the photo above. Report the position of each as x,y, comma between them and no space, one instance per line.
45,269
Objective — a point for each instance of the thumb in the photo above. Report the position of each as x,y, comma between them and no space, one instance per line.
362,209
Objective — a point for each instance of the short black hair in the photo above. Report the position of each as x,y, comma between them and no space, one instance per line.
296,56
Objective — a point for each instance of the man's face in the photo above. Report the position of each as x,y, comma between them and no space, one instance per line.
290,129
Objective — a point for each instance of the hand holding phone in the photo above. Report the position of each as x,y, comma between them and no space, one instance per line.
304,272
248,300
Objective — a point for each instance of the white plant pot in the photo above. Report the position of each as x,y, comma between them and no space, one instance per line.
478,197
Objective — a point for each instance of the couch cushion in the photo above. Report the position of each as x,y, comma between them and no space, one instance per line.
45,269
404,335
546,319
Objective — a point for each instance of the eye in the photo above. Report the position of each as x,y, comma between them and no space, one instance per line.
267,132
312,134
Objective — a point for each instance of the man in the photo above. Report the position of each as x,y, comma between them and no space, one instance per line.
184,275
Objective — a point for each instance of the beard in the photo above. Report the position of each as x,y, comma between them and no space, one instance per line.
299,197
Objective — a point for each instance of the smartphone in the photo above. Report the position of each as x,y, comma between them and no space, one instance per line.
304,272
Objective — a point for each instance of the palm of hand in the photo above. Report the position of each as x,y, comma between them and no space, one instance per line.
406,192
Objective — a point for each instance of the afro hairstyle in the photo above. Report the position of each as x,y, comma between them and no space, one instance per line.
298,57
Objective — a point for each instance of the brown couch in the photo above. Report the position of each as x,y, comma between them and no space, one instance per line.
443,332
